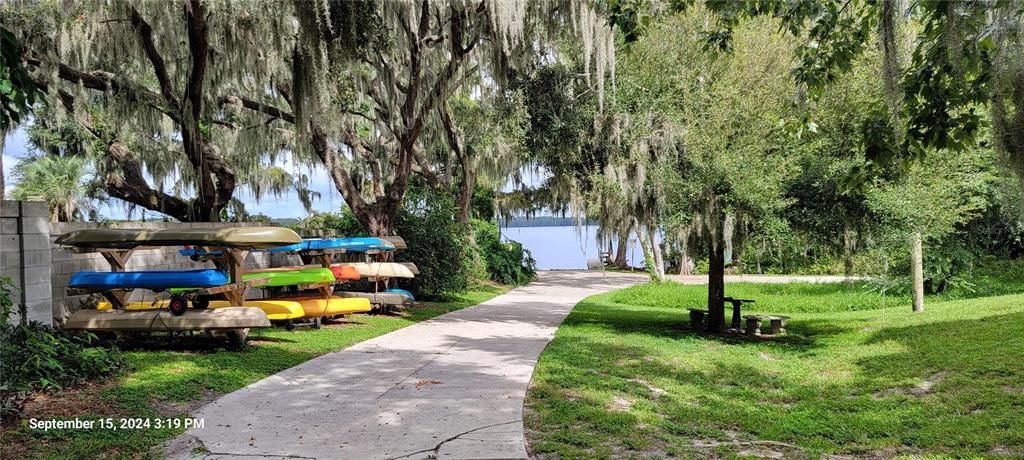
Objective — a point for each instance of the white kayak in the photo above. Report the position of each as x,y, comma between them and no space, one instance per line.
381,269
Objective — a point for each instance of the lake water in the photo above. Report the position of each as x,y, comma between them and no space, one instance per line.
563,247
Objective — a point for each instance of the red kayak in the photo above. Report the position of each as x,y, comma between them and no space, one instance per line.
344,272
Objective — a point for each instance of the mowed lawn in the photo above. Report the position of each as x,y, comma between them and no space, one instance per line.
857,375
171,384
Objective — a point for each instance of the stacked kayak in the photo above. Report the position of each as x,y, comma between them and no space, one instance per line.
381,269
276,310
344,272
362,244
278,278
156,280
233,237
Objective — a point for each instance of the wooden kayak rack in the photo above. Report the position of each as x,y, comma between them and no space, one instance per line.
230,260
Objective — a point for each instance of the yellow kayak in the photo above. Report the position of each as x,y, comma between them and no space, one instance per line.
318,306
276,310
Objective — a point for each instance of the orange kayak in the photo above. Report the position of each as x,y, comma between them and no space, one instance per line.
345,272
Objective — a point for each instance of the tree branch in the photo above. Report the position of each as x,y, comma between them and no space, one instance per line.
132,187
159,67
104,81
257,106
199,47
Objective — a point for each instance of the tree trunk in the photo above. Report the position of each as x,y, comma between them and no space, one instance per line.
716,277
378,222
684,259
646,247
465,199
716,283
620,250
3,185
659,261
848,244
917,271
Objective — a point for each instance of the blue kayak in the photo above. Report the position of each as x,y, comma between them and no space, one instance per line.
401,291
189,252
155,280
357,244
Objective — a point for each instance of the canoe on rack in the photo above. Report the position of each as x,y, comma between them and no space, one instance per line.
276,310
163,320
156,280
381,270
231,237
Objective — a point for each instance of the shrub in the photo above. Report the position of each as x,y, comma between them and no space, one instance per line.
507,262
37,357
438,245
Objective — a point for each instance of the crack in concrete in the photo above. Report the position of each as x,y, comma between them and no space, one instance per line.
437,449
436,355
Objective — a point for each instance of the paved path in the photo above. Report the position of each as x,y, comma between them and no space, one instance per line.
451,387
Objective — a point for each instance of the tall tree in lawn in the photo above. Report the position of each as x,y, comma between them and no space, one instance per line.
144,79
733,156
373,142
931,200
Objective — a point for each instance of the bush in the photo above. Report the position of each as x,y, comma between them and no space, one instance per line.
507,262
438,245
37,357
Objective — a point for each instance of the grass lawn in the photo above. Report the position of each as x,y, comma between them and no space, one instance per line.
858,375
173,383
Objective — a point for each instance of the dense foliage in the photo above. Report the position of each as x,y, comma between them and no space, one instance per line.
507,262
37,357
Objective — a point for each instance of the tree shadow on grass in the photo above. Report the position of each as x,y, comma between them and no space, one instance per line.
801,335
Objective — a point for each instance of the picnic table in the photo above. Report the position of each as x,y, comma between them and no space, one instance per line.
697,314
736,306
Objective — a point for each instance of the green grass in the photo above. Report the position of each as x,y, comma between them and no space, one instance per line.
171,383
624,377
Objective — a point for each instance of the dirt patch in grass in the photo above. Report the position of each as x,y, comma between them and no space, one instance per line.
175,408
72,402
80,401
921,389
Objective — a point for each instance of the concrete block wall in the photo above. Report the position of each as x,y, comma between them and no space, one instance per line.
66,263
25,257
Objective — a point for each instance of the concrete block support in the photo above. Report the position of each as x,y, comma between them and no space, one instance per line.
25,249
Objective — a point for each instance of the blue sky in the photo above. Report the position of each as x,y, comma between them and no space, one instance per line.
288,205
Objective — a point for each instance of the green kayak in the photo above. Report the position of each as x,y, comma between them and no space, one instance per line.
278,277
292,277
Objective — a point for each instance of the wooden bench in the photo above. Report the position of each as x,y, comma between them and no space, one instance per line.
776,322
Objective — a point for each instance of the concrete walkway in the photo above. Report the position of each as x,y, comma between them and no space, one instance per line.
451,387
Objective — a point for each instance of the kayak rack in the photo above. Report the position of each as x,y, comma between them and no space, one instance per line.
227,259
